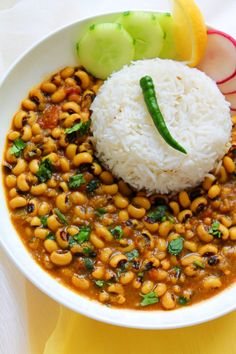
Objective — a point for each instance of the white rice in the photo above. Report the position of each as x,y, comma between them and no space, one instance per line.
129,144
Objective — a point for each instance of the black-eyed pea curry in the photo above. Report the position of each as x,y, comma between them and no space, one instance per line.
96,234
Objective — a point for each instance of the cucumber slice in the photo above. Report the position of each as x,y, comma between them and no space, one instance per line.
168,50
145,30
105,48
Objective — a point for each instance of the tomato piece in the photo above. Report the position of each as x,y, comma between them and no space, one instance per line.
49,118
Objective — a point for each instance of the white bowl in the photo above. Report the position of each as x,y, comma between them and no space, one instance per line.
47,56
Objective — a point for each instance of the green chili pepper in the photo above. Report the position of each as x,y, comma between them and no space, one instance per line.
150,99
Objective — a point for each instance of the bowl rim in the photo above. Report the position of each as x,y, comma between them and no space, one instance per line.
88,305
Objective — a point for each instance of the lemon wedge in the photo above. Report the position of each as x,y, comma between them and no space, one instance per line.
190,32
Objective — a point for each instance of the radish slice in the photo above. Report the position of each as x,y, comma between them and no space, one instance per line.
231,98
219,61
228,86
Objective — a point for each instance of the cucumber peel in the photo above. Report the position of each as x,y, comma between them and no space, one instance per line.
169,48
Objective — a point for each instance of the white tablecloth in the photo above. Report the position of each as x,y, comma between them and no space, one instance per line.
22,22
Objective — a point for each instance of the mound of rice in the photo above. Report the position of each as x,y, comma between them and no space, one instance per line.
129,144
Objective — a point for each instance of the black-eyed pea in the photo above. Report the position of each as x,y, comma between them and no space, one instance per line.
106,177
224,231
123,215
190,245
176,289
19,119
189,234
41,233
62,202
127,245
98,272
116,259
164,228
120,201
212,282
13,135
160,289
165,264
190,259
184,199
105,254
203,234
232,233
190,270
83,78
22,183
229,164
179,228
61,257
58,96
168,300
10,181
26,133
13,192
111,189
64,164
28,105
103,232
226,221
34,166
207,249
124,188
184,215
198,204
48,87
62,238
39,189
126,277
136,283
161,255
36,129
97,169
64,187
71,151
161,274
120,299
80,282
35,221
67,72
53,223
135,212
153,228
104,296
20,167
214,191
18,202
223,176
96,241
78,198
142,202
175,208
81,158
161,244
116,289
11,158
208,181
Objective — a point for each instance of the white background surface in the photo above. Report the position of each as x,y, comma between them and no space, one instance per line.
22,22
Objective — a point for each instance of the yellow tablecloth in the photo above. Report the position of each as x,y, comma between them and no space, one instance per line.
76,334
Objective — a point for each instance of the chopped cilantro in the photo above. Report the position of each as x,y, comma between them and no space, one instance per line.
158,214
61,216
83,235
88,264
92,185
99,283
50,236
149,299
132,255
214,230
44,220
100,212
45,171
175,246
117,232
81,128
76,181
17,147
182,300
199,265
